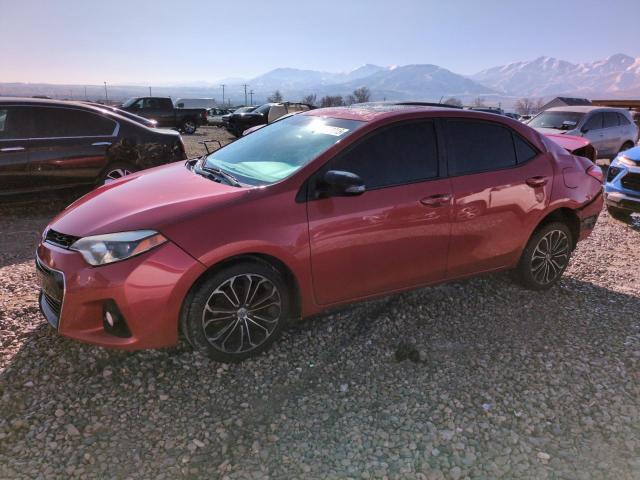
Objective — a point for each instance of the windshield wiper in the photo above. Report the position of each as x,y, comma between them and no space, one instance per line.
230,179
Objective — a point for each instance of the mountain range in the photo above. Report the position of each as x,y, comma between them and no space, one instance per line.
617,77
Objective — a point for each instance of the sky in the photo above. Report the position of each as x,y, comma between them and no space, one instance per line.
164,42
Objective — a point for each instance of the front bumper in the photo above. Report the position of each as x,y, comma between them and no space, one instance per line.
623,201
148,291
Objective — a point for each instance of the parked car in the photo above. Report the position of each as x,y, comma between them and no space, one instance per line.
579,146
525,118
622,188
49,144
237,111
147,122
321,209
610,130
214,116
258,127
161,109
494,110
205,103
267,113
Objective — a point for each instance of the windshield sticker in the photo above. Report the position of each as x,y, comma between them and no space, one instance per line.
329,130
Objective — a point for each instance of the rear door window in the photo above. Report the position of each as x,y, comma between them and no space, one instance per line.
400,154
480,146
611,119
623,120
66,122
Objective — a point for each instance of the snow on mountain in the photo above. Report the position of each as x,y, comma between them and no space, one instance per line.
550,76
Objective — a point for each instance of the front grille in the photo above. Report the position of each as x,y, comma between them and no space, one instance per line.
51,292
631,181
60,239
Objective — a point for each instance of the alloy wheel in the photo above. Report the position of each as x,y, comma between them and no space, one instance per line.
241,313
189,127
550,257
115,174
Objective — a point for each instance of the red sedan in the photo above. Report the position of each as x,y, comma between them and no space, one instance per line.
328,207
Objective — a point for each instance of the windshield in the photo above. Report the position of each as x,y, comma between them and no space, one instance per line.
557,120
129,102
280,149
264,108
244,109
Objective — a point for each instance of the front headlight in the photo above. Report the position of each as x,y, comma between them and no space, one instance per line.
113,247
626,161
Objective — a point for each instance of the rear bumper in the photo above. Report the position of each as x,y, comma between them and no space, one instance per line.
588,215
148,291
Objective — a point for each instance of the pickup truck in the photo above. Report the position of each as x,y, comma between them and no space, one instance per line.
161,109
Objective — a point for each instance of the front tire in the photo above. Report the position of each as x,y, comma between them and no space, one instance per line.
546,256
619,214
238,312
189,127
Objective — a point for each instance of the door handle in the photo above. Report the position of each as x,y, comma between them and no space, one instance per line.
536,182
12,149
436,200
101,144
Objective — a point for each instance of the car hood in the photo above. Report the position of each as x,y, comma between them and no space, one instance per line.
152,199
551,131
570,143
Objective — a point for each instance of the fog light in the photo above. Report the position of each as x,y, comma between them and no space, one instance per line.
113,321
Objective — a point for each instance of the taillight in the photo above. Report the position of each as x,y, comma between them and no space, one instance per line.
595,172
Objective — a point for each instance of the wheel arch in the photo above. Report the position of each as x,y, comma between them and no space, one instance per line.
565,215
287,273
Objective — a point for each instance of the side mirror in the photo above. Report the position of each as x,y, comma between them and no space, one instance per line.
337,183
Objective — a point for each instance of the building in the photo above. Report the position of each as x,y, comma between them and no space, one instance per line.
565,102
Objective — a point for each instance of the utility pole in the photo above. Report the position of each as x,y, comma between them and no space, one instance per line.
85,93
251,94
223,85
245,92
106,95
150,92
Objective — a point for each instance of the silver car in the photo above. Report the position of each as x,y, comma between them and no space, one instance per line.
610,130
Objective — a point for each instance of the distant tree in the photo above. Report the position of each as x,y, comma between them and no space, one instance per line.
524,106
539,104
479,102
309,99
350,100
332,101
275,97
362,95
453,101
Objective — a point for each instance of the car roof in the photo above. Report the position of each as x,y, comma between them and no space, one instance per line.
371,112
584,109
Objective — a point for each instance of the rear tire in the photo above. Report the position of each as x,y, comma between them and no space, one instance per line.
619,214
545,258
238,312
115,171
189,127
625,146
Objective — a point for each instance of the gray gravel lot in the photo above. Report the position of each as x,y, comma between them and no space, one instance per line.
474,379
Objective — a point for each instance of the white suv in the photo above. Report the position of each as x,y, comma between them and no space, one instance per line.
610,130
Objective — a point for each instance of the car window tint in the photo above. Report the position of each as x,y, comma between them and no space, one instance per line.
610,119
15,123
399,154
622,119
594,123
64,122
475,146
524,151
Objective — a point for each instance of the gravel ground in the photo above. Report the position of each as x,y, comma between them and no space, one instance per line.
474,379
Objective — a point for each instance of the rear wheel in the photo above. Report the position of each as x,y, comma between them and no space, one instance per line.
626,146
114,172
189,127
545,257
238,312
619,214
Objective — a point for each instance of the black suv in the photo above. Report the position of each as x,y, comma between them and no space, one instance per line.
49,144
